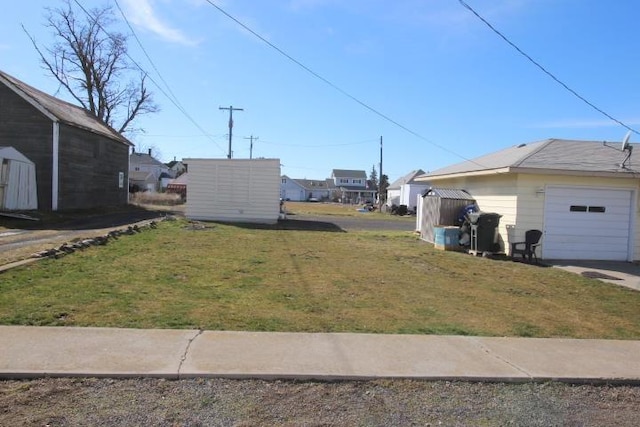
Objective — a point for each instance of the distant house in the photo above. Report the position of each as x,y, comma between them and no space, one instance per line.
299,190
176,168
146,172
352,186
583,196
405,190
80,162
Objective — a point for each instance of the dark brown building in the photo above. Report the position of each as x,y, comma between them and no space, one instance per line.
81,163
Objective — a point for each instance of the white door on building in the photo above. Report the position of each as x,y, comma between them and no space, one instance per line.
587,223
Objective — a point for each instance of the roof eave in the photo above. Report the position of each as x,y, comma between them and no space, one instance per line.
115,137
54,118
30,100
621,173
425,178
535,171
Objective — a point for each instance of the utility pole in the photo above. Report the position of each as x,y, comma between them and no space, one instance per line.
231,110
380,180
252,138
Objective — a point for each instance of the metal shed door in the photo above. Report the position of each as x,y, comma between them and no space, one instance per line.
585,223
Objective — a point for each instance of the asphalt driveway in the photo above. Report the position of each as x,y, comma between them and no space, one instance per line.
347,223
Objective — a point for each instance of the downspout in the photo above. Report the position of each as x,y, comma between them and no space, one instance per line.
54,166
127,181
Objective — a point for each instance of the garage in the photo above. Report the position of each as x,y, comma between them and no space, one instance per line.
294,195
587,223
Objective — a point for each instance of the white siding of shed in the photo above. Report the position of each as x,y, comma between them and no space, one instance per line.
234,190
393,197
409,193
18,187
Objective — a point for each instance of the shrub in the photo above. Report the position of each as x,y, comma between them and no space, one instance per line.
153,198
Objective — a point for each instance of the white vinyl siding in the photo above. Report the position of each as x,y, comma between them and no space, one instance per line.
409,194
393,197
291,190
494,193
234,190
18,187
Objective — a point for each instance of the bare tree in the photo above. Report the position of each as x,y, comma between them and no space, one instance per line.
90,62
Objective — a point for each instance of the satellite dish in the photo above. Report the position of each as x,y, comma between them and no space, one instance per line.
625,141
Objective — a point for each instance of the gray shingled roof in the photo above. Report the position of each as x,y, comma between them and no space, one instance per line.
145,159
407,179
63,111
315,184
345,173
552,155
448,193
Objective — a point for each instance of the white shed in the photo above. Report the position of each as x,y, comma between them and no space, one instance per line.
234,190
404,190
18,190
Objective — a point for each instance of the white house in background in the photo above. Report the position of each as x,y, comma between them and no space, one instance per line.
405,190
300,190
234,190
18,187
176,168
352,186
583,195
146,172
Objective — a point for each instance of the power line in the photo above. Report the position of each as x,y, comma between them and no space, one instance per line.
176,104
164,135
544,70
334,86
153,65
320,145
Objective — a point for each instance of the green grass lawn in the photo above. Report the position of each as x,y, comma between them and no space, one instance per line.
227,277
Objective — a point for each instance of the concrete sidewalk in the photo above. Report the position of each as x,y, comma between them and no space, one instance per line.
29,352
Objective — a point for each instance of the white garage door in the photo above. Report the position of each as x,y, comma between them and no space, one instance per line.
294,195
583,223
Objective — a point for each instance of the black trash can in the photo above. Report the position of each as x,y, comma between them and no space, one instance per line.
484,231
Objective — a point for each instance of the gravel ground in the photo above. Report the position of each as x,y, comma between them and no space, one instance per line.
219,402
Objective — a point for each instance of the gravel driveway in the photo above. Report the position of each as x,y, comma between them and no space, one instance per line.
219,402
18,244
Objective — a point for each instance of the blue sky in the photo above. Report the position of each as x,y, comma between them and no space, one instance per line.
454,88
